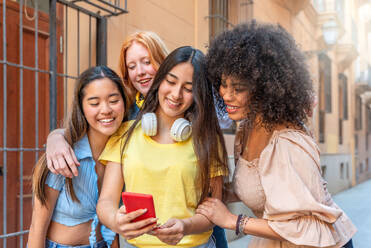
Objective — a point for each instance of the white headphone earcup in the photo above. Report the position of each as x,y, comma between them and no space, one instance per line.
180,130
149,124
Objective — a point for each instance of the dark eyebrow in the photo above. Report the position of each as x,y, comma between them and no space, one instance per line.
95,97
172,75
114,94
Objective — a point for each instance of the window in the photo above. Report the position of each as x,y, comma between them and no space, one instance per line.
325,82
347,170
322,126
342,170
366,140
218,17
323,169
340,131
358,119
324,72
342,104
343,96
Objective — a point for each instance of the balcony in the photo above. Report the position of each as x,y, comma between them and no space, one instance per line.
364,78
346,54
98,8
295,6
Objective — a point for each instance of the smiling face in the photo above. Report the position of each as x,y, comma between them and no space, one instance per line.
235,96
103,106
175,91
140,69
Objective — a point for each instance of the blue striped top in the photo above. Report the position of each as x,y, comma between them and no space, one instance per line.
70,213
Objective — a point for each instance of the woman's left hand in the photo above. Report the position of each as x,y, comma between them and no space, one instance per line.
217,213
171,232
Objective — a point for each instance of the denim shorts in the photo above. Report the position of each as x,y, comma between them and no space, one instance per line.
51,244
209,244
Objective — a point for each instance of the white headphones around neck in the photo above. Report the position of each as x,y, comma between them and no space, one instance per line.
180,130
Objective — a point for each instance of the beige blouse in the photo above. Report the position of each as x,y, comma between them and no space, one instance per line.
284,186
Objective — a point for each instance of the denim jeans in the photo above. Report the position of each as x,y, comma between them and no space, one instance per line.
209,244
219,237
51,244
349,244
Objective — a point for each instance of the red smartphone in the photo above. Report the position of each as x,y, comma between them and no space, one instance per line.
135,201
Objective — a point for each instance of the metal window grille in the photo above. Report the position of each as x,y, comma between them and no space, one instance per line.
38,46
218,17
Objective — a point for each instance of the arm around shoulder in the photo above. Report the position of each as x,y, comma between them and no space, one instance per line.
60,156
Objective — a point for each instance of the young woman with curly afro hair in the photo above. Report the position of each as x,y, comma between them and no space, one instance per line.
265,84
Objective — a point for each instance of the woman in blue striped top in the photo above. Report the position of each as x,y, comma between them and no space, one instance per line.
64,211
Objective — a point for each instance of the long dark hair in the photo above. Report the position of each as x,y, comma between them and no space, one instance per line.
76,126
208,140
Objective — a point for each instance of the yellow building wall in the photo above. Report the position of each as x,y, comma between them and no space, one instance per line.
273,11
178,23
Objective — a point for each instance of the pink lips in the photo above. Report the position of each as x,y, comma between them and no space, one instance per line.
231,110
146,83
171,104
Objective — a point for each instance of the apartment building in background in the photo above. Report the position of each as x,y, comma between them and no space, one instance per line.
40,64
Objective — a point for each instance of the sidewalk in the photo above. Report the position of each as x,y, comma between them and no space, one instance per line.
356,202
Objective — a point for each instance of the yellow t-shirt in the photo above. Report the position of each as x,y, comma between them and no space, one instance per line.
166,171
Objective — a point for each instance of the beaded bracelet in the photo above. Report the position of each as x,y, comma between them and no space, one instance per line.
238,223
241,222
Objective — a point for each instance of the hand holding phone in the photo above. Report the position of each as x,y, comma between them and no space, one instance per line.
135,201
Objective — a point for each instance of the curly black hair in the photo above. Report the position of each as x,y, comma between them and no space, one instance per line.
267,60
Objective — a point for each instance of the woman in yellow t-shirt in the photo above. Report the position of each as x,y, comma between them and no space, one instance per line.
179,170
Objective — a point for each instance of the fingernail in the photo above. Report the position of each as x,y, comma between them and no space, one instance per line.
144,210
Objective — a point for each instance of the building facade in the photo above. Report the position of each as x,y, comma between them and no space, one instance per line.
334,34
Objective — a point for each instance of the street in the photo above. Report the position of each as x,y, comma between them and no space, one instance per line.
356,202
